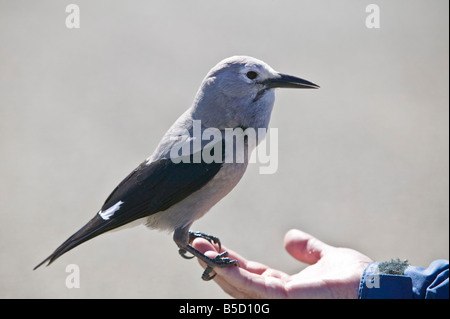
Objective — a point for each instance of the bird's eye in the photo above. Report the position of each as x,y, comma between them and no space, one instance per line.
252,75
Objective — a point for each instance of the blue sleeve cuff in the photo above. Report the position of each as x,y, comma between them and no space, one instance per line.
382,286
415,283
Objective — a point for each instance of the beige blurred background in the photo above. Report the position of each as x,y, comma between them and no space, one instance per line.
363,162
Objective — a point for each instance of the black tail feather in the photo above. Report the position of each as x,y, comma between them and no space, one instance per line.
93,228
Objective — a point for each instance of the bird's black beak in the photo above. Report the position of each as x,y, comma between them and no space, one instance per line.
289,81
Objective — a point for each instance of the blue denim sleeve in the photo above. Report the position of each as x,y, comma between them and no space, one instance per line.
414,283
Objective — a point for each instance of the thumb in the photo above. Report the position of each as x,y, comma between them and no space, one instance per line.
304,247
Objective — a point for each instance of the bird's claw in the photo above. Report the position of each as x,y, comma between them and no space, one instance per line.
212,239
193,235
206,274
183,253
221,260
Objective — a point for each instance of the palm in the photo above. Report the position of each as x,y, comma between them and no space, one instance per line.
333,272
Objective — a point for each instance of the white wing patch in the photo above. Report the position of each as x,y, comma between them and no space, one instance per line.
110,211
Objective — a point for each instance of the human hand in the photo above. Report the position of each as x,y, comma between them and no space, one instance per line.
333,272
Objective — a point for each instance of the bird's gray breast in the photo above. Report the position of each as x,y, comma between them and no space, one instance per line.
200,202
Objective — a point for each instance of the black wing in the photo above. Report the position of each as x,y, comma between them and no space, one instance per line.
145,191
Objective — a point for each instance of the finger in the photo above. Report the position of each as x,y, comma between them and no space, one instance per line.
209,250
204,245
250,280
304,247
222,280
241,283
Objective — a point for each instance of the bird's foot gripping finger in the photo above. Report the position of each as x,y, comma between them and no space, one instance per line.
195,234
210,238
221,260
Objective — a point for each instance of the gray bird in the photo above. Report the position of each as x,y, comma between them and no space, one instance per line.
169,191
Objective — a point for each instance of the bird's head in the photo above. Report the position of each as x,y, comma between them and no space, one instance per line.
239,91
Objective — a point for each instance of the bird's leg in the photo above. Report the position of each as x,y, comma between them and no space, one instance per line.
184,240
